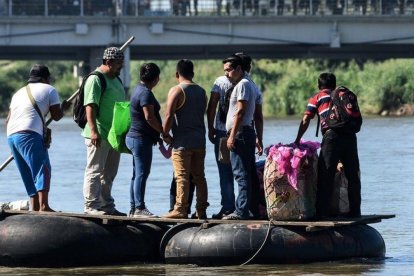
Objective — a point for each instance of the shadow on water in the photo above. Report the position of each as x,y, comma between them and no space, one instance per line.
348,267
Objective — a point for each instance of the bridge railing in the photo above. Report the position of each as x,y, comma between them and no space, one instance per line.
204,7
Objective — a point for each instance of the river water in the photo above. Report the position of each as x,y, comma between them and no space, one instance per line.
386,151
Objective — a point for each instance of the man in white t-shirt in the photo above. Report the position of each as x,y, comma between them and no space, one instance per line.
222,88
25,131
241,133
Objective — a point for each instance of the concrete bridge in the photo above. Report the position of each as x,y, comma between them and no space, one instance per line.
208,35
334,37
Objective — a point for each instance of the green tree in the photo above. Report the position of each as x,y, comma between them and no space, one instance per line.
286,84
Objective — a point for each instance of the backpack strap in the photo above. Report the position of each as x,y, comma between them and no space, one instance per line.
120,80
36,107
330,106
317,125
227,94
101,79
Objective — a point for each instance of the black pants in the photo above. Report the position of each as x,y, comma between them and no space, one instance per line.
173,194
337,147
258,197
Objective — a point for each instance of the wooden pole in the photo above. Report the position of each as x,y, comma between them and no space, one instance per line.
122,48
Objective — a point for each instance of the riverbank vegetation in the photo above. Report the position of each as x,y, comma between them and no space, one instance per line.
382,86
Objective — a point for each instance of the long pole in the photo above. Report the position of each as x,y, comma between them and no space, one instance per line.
5,163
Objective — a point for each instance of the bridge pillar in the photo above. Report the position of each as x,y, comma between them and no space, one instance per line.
335,37
126,71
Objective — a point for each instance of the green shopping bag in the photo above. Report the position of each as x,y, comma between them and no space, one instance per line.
121,122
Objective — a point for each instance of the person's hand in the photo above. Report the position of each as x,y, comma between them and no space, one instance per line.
259,147
231,143
95,138
211,135
65,105
167,139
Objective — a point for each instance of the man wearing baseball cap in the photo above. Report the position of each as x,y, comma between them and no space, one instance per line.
25,133
102,160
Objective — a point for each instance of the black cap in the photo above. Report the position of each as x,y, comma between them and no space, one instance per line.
38,72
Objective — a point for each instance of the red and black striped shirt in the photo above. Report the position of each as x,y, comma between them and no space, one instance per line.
319,103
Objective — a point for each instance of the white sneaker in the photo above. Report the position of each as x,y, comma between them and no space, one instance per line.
94,212
143,213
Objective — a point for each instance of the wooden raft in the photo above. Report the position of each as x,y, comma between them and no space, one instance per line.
309,225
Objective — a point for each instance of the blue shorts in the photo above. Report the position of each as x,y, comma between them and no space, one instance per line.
32,160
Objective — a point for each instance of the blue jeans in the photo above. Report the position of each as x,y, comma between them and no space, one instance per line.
32,160
141,149
242,158
226,177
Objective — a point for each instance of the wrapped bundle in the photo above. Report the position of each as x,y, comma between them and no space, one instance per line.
339,201
290,179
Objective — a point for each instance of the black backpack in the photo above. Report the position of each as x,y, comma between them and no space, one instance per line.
79,113
224,108
344,115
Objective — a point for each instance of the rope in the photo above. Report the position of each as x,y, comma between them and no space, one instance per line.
192,239
261,247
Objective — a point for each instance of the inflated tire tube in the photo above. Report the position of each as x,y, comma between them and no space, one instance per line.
230,244
57,241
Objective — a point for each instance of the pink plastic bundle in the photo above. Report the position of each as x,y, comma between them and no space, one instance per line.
289,157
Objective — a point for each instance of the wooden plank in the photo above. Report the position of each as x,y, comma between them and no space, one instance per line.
367,219
311,225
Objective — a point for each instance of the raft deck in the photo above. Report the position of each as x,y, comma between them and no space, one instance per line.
309,225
